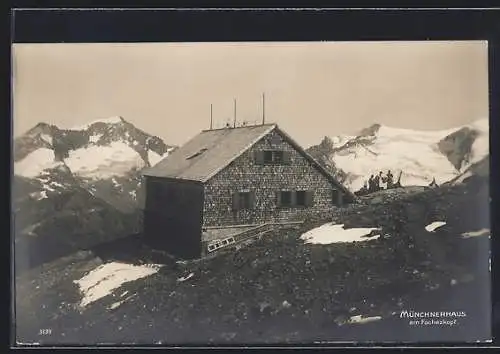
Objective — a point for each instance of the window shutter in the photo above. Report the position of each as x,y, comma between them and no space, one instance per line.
309,198
259,157
278,198
335,198
287,157
236,200
294,198
340,198
252,199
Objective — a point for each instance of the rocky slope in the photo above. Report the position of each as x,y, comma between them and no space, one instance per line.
280,289
75,187
421,156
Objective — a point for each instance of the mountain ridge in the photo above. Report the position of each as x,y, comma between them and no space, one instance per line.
110,149
421,155
90,169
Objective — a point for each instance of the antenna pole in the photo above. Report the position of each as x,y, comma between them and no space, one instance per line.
263,109
211,117
234,123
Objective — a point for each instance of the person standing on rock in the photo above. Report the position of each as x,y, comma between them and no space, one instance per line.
390,180
376,182
371,186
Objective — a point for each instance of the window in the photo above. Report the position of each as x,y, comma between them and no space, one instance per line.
336,197
196,154
243,200
300,198
295,198
286,198
272,157
216,244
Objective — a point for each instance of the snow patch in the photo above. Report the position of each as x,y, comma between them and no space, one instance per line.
434,225
189,276
115,183
360,319
39,195
35,163
115,305
101,281
95,138
154,158
47,138
133,194
57,184
119,303
110,120
102,162
48,188
477,233
340,140
463,177
332,233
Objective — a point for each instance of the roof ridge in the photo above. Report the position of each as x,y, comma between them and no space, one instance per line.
241,126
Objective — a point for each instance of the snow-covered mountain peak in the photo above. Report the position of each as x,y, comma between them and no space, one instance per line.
386,131
466,145
104,157
371,130
41,128
101,140
107,121
482,125
339,140
420,155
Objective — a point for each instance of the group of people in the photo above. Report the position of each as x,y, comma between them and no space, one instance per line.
378,182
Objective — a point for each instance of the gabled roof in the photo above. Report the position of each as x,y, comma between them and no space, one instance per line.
315,163
209,152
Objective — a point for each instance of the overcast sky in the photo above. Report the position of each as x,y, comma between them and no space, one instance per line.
312,89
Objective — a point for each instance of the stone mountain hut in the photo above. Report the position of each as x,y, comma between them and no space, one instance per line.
230,178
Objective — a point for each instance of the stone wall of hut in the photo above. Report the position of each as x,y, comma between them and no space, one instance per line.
264,181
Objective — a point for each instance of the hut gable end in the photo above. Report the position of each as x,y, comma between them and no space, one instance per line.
284,184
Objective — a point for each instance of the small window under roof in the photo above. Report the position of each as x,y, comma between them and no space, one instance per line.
196,154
